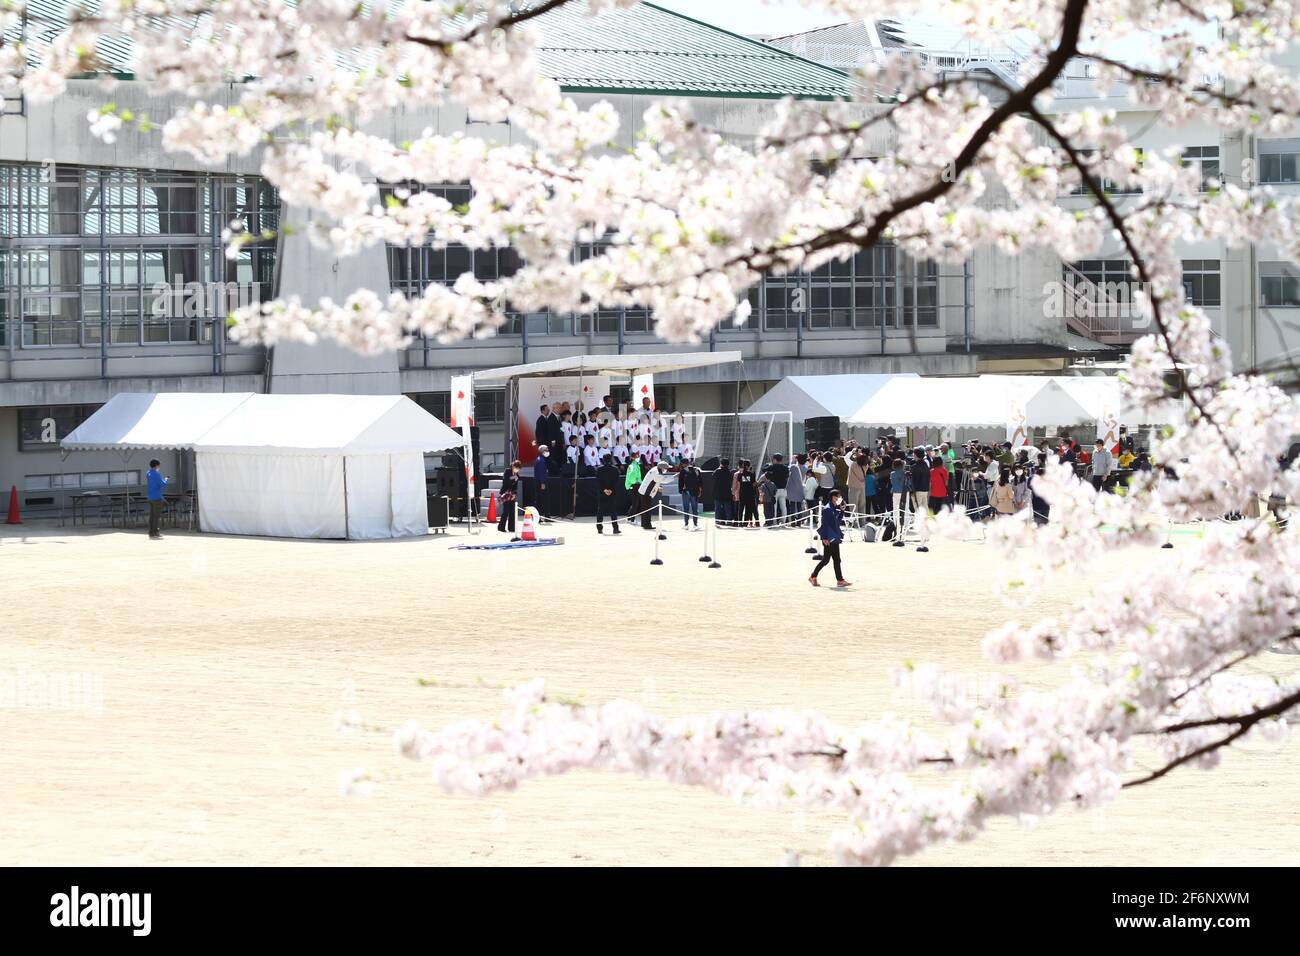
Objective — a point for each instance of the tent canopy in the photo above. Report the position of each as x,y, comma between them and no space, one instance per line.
263,424
934,403
817,396
161,420
328,424
1104,395
1054,401
608,365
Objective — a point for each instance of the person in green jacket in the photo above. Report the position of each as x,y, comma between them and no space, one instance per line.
949,457
632,482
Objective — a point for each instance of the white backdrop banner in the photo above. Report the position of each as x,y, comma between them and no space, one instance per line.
643,387
567,391
1108,427
1017,424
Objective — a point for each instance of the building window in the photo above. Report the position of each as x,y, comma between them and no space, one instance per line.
1201,280
42,427
785,302
1106,283
89,480
490,407
88,247
1207,159
1279,285
1279,161
437,404
1103,184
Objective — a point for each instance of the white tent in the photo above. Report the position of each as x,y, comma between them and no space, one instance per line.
819,396
1104,395
161,420
934,403
1048,403
299,466
1051,401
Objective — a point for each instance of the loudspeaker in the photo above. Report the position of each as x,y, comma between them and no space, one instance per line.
438,511
449,481
821,433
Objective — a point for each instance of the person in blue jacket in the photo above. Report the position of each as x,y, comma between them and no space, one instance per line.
542,484
831,535
154,485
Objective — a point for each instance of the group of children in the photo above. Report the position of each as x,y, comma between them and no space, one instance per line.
585,439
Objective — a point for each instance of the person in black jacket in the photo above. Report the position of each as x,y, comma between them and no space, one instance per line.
722,492
608,481
779,472
542,428
691,484
920,480
747,497
506,498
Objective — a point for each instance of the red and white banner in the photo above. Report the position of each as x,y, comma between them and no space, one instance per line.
462,418
643,387
462,401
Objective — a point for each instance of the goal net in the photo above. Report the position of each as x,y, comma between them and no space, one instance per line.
756,436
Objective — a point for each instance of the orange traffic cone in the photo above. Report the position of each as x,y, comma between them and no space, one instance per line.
492,508
13,507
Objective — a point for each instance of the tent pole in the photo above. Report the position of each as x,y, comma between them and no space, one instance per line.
345,497
577,465
63,491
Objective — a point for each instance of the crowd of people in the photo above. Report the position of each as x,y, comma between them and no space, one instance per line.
608,461
627,454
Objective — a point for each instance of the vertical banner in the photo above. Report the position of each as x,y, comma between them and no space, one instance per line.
561,393
643,387
1017,424
1108,427
462,418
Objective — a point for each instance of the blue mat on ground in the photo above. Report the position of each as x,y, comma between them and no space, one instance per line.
506,545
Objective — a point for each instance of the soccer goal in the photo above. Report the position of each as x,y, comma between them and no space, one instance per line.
756,436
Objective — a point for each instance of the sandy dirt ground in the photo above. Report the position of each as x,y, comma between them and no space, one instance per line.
214,668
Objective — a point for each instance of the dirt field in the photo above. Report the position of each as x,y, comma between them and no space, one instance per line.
215,667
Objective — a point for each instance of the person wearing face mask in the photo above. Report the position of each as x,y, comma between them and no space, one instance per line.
506,498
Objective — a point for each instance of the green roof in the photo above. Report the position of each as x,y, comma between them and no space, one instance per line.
647,49
643,49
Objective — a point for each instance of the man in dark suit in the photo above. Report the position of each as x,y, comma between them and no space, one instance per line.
542,429
553,435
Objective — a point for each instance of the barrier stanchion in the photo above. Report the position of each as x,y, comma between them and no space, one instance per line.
657,559
714,563
704,547
812,532
659,524
1169,534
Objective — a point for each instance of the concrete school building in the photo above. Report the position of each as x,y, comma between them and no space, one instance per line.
89,230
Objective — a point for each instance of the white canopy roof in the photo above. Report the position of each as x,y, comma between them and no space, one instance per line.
1103,393
1047,401
816,396
153,420
934,402
328,424
608,365
263,424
